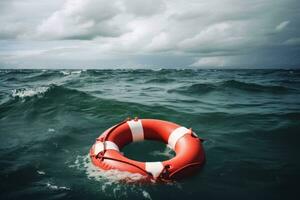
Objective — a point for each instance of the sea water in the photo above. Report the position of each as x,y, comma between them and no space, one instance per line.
49,119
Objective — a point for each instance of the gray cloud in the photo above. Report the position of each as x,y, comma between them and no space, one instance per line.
282,25
200,33
82,19
88,19
144,8
19,19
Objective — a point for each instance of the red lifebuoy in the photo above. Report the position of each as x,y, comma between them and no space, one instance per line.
105,153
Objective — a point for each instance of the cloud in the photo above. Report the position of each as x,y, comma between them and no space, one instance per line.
11,31
144,8
217,37
82,19
19,19
200,33
217,62
292,41
89,19
159,42
282,26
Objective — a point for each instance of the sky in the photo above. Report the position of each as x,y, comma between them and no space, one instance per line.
149,34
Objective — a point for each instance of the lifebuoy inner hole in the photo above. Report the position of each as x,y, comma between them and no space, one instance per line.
148,151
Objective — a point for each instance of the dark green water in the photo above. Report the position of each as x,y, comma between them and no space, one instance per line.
49,120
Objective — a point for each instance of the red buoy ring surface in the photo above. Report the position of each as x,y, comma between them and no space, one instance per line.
105,153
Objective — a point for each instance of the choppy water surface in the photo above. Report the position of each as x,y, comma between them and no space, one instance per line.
50,118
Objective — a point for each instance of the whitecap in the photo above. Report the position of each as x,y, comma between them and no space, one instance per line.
65,73
55,187
51,130
28,92
41,172
76,72
146,195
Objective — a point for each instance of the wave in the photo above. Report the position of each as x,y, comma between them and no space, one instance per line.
160,80
43,75
34,76
52,91
204,88
199,88
54,99
40,100
28,92
69,72
233,84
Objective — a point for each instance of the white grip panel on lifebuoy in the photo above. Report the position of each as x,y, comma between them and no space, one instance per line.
155,168
176,135
99,146
137,130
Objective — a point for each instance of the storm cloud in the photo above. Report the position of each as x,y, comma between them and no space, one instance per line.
149,33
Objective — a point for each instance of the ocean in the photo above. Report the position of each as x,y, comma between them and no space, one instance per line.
250,120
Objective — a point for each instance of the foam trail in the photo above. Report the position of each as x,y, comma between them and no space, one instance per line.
112,181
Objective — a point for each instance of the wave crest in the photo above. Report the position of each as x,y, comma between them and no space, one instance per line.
254,87
160,80
204,88
28,92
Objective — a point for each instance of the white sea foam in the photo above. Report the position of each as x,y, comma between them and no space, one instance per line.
28,92
76,72
65,73
55,187
146,195
112,181
40,172
51,130
113,176
168,152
